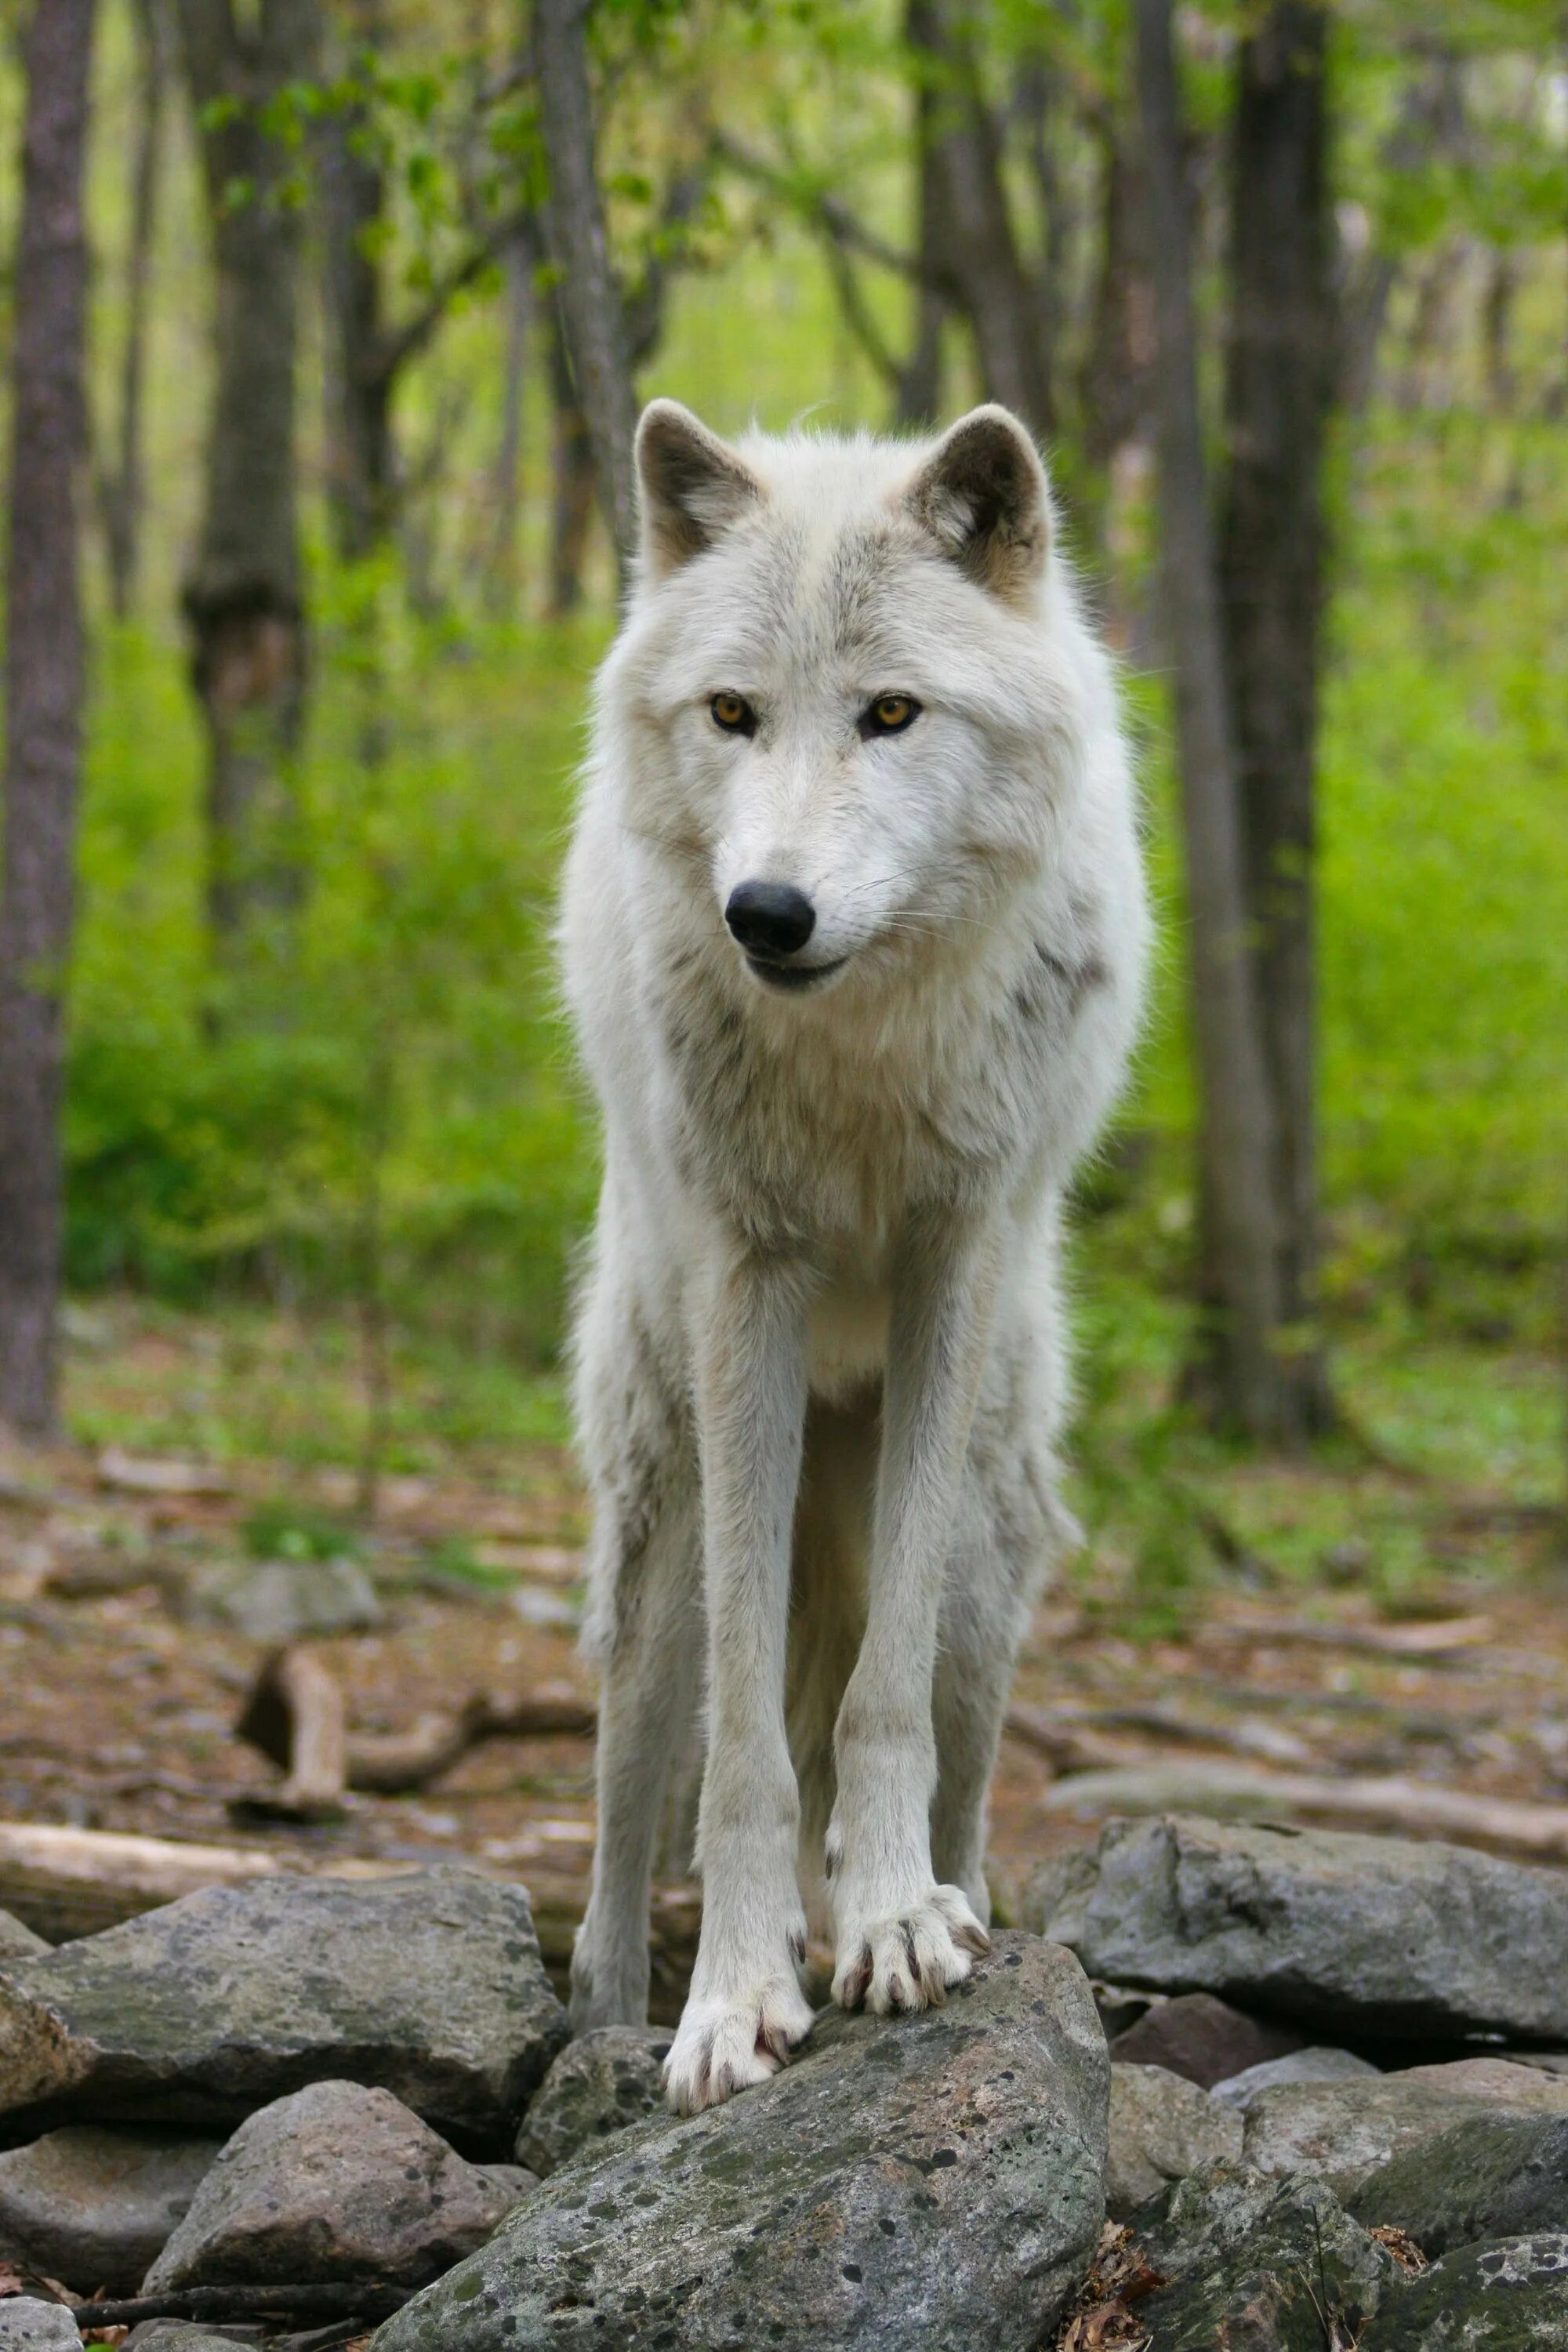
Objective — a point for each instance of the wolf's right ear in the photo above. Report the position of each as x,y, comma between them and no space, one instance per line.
692,485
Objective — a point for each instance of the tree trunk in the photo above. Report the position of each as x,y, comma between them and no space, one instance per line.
44,664
574,480
502,564
918,396
242,597
984,270
123,494
361,462
1115,383
1240,1296
1279,367
587,297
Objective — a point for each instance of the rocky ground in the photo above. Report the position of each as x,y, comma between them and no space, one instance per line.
1231,2086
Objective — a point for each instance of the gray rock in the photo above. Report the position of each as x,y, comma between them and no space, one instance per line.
1341,2132
333,2183
275,1600
1254,2264
514,2181
1512,2296
17,1942
27,2323
1549,2062
600,2083
181,2335
1368,1936
1161,2128
1202,2038
430,1985
1315,2066
1490,2176
94,2205
933,2183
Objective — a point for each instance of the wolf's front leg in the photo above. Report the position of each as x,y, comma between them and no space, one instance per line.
746,2008
900,1938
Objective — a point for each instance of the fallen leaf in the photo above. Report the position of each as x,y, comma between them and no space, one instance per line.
1402,2246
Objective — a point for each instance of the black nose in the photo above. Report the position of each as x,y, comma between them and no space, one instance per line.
769,919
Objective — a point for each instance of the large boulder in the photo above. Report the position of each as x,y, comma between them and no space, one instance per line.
1509,2296
1340,2132
17,1941
933,2183
94,2204
429,1985
1488,2176
1373,1938
601,2082
335,2182
1256,2265
1161,2128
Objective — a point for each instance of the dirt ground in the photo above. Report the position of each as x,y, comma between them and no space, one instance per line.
117,1711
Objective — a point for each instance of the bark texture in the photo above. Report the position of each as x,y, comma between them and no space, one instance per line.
242,597
1278,377
44,667
124,491
1240,1275
587,297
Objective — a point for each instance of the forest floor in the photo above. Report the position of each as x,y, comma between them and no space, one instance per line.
1302,1656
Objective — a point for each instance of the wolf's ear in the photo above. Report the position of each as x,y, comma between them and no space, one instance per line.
692,485
981,496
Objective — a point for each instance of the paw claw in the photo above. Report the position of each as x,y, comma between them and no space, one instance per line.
723,2046
908,1960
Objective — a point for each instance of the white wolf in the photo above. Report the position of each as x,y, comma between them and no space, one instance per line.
854,934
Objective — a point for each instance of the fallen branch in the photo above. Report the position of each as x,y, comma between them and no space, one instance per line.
1444,1637
1384,1803
1069,1739
369,2299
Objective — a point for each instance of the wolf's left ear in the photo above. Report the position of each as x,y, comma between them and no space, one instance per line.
981,496
692,485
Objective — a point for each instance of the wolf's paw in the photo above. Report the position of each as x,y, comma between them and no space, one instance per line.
908,1959
723,2046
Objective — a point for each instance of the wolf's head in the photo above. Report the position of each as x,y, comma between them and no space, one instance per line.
842,695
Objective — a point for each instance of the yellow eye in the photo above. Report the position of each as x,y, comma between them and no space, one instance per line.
890,714
734,714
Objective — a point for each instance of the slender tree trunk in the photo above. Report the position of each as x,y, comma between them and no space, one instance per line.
1279,376
1497,329
44,667
123,494
361,457
502,557
1115,385
919,398
984,271
242,595
587,297
1239,1276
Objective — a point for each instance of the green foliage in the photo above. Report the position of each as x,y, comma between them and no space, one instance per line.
285,1530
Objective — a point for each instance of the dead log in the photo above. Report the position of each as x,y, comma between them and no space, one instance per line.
65,1883
295,1715
1414,1807
387,1764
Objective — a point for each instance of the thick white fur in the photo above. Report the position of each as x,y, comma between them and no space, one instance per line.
821,1357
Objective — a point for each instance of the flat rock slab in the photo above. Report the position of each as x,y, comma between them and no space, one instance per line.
1205,2040
1512,2296
1253,2265
1341,2132
30,2325
601,2082
335,2182
929,2183
17,1942
1239,2091
93,2204
1161,2128
1490,2175
1369,1937
430,1986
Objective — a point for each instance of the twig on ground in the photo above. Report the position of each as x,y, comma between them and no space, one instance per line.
361,2300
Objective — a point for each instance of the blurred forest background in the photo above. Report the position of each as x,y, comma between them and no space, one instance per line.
369,285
